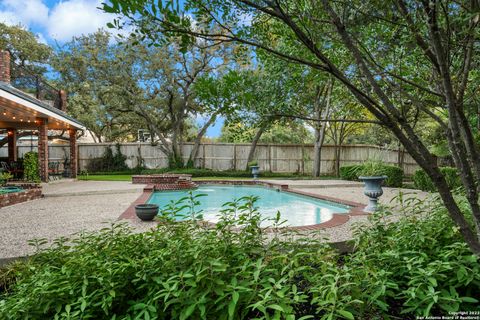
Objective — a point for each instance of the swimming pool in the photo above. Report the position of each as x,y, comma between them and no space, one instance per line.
297,210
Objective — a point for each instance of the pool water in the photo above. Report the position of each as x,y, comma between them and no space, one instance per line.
10,189
297,210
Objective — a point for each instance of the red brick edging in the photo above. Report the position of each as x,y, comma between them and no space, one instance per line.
29,192
130,212
337,218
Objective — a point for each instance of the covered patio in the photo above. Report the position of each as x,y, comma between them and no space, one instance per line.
20,111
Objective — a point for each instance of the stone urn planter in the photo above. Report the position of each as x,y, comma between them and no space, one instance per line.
255,171
146,212
373,190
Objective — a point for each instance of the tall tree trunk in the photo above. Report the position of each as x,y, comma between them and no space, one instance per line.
320,126
198,139
255,140
317,149
337,159
176,160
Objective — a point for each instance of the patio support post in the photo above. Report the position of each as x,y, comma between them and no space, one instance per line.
73,153
12,144
43,149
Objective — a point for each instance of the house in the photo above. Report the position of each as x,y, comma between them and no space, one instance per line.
40,111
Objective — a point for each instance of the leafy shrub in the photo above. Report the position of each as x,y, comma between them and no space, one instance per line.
350,172
4,177
418,266
394,174
252,163
371,168
109,161
31,167
421,262
423,182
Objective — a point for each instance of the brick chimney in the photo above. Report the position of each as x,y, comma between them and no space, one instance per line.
5,66
63,100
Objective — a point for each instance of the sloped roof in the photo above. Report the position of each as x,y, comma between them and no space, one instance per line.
60,115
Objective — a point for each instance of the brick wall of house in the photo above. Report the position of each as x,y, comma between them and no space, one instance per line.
43,149
73,153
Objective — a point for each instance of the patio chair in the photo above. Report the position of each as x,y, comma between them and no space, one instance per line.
4,166
16,169
53,170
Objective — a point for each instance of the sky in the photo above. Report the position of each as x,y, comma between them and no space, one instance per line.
57,21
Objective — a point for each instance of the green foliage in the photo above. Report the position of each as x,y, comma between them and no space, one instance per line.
423,182
350,172
285,132
417,266
4,177
394,174
420,262
252,163
91,66
109,161
371,168
31,167
25,46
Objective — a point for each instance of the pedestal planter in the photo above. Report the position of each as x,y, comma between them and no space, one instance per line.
255,171
146,212
373,190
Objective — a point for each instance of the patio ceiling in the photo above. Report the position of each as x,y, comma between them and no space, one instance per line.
19,110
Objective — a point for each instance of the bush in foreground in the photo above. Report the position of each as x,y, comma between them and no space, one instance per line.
415,267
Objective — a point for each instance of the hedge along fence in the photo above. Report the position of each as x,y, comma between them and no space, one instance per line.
287,158
394,174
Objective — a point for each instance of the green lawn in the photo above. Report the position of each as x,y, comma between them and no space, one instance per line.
110,177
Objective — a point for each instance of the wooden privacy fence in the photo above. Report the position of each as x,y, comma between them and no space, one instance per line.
228,156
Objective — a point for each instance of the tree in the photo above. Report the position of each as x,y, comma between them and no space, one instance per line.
439,37
86,72
285,132
176,84
258,98
24,46
29,57
308,95
339,131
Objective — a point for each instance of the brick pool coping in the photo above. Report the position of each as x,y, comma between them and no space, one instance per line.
356,209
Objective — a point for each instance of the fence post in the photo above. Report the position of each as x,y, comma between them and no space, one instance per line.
234,157
269,153
303,159
204,157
